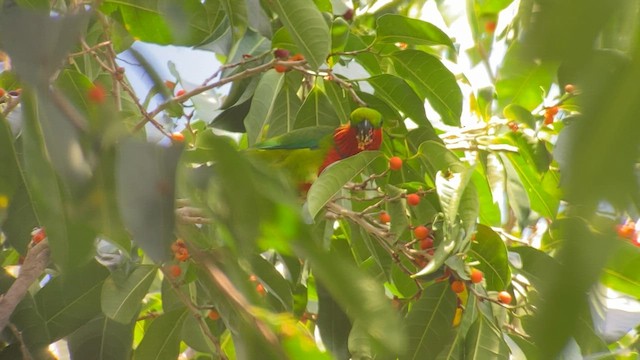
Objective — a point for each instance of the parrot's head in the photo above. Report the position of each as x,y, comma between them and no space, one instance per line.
366,123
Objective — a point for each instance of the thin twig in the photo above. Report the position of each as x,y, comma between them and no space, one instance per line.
91,49
26,355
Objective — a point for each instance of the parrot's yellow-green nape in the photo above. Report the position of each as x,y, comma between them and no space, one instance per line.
362,113
368,128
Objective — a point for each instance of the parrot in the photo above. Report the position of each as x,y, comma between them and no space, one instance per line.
305,153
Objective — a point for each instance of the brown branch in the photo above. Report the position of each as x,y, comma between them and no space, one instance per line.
34,265
26,355
91,49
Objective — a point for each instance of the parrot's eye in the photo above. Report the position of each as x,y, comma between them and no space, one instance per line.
364,134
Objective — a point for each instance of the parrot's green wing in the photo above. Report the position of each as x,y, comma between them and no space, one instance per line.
305,138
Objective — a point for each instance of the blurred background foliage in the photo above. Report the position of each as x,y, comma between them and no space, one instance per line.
171,235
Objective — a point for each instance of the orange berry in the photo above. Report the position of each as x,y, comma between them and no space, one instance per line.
421,232
402,45
213,315
551,110
395,163
2,92
175,271
37,235
182,254
97,94
260,289
627,230
297,57
490,26
385,218
513,126
457,286
170,84
177,137
413,199
476,276
504,297
180,92
253,278
570,88
281,68
426,244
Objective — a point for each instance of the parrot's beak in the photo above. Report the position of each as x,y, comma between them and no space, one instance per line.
364,134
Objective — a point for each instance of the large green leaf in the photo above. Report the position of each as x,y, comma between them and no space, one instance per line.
69,301
620,272
429,322
489,210
307,28
146,186
431,80
102,339
316,110
121,298
484,341
391,28
489,249
397,92
237,15
263,106
162,338
523,81
335,177
333,323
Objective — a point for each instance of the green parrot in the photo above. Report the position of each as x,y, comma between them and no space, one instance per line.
306,152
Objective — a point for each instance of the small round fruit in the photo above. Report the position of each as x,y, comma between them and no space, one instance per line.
426,244
177,137
213,315
182,254
281,68
413,199
175,271
385,218
2,92
490,27
421,232
504,297
97,94
253,278
281,53
348,15
552,111
297,57
476,276
37,235
180,92
395,163
260,289
627,230
457,286
570,88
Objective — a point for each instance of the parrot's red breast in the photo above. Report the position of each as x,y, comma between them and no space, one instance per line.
346,143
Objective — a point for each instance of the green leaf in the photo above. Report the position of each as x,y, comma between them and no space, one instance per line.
429,322
391,28
620,272
397,92
273,281
102,338
146,194
397,209
335,177
519,114
484,341
450,188
541,201
489,249
237,15
316,110
491,6
307,28
489,210
339,100
162,338
523,81
263,106
121,298
431,80
339,34
333,323
69,301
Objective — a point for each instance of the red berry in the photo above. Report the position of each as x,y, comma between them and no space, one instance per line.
551,110
175,271
180,92
395,163
170,85
413,199
37,235
476,276
426,244
385,218
281,68
421,232
97,94
490,26
177,137
260,289
281,53
570,88
348,15
2,92
213,315
504,297
457,286
627,230
182,254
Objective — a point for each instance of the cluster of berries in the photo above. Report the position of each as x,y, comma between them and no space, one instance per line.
283,54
